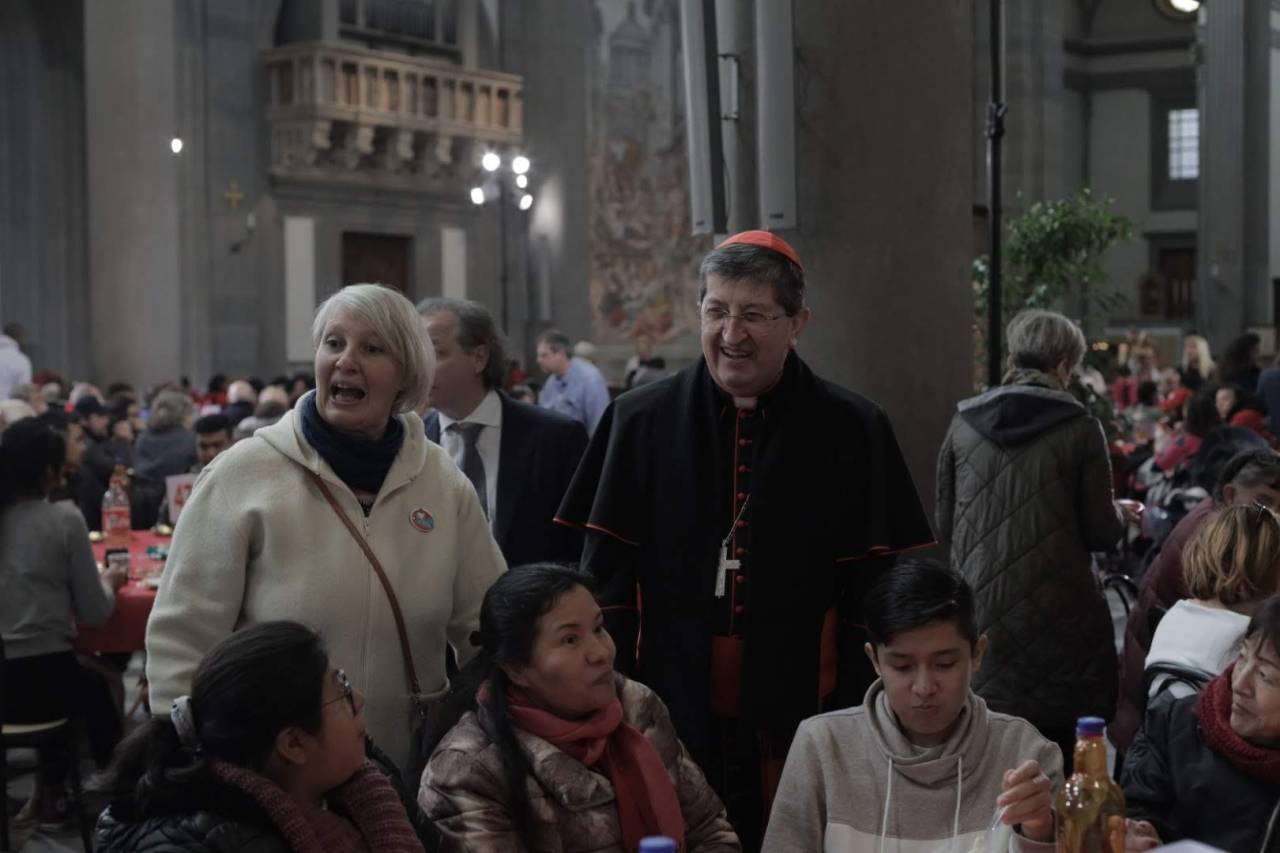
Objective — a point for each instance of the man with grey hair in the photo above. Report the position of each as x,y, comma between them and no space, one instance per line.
1024,496
167,447
519,458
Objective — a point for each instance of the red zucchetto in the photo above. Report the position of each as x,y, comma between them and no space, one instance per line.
765,240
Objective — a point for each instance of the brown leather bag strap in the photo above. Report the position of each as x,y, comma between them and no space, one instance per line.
411,672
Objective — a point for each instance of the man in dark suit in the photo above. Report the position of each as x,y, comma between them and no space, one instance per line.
520,458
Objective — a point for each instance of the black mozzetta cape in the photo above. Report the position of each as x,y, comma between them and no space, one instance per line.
829,488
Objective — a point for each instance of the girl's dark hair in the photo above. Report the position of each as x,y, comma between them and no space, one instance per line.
247,689
915,593
1202,411
508,628
1266,621
30,450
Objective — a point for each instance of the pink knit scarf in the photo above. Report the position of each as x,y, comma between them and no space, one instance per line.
647,801
364,813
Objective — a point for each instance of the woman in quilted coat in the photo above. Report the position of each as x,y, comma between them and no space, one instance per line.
1024,496
563,753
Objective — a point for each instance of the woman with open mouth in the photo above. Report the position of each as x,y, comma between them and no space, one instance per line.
341,516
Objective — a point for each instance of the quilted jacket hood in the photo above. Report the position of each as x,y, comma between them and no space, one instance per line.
1012,415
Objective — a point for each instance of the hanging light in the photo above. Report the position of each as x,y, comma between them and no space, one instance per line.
522,181
491,161
526,201
477,195
520,164
1180,10
175,145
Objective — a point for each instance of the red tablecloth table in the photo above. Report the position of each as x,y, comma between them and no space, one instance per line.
126,630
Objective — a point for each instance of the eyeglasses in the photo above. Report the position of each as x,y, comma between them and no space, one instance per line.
348,692
755,321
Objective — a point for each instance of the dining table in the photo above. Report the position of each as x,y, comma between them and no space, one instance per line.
126,630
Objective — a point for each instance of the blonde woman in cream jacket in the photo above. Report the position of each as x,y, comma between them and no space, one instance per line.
258,541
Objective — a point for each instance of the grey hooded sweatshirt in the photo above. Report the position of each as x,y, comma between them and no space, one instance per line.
853,782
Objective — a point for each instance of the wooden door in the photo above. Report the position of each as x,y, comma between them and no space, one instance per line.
1177,268
377,259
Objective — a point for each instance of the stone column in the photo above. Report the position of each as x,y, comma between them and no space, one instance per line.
133,186
884,136
42,180
547,43
1232,281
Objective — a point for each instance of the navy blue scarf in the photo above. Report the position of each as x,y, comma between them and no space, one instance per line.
359,462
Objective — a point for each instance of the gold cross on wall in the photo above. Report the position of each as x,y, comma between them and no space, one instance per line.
233,196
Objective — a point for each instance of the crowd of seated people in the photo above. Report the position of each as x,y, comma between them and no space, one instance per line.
1250,478
48,577
421,694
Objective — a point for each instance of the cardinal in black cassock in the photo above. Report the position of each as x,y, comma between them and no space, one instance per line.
734,512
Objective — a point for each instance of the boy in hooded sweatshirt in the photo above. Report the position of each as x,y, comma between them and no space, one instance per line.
921,765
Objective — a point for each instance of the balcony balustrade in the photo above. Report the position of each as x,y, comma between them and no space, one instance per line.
337,108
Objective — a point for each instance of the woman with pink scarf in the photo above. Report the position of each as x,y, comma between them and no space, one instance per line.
554,719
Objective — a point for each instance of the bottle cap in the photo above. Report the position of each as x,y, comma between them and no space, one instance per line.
657,844
1090,726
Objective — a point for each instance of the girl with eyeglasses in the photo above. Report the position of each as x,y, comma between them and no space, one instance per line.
267,754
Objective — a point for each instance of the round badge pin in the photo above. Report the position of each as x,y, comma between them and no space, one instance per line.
422,520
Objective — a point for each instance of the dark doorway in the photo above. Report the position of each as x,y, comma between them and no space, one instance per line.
1177,269
377,259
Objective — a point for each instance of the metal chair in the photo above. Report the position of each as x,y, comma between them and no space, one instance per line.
34,736
1172,674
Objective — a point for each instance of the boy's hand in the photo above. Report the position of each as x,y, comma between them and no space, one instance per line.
1026,797
1140,835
